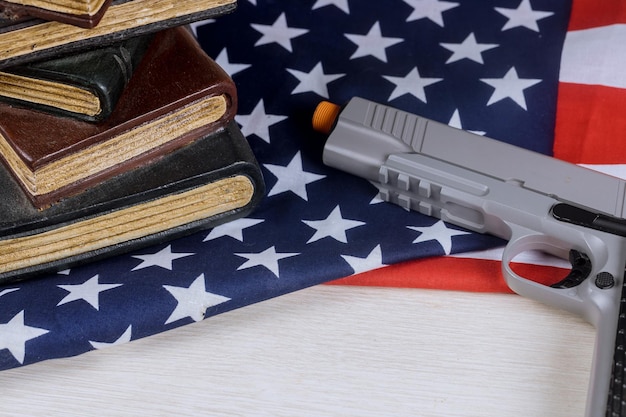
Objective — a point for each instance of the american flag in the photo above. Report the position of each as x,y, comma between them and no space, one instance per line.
590,124
491,67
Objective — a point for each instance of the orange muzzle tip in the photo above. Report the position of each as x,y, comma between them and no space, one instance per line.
324,116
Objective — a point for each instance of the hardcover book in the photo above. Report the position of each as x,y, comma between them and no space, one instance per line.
29,40
211,181
82,13
85,85
176,95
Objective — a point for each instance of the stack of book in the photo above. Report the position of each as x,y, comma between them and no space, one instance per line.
116,131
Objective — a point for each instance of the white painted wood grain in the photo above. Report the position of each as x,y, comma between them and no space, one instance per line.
331,351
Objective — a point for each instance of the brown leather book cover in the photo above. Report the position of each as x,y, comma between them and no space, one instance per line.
176,95
25,40
83,13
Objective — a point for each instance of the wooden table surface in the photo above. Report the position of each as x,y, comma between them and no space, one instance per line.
331,351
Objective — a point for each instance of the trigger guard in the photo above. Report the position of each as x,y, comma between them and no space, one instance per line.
565,298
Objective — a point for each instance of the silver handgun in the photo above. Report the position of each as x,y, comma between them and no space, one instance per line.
532,200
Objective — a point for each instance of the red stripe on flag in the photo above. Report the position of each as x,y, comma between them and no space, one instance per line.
449,273
589,125
593,13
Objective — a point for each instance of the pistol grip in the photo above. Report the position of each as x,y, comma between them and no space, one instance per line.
616,402
600,298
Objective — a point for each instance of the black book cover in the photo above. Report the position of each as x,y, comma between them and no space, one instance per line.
209,182
85,85
28,40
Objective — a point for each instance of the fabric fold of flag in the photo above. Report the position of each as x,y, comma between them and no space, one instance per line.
490,67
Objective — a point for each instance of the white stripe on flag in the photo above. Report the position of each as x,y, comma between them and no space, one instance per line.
595,56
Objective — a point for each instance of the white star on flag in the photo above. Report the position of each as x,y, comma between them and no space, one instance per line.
231,68
334,226
8,291
372,261
233,229
373,43
412,83
124,338
292,178
341,4
89,291
455,121
15,334
523,16
315,81
278,33
439,232
468,49
162,258
192,301
510,86
377,199
268,258
195,25
429,9
258,122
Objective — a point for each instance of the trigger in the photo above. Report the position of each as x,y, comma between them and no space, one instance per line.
581,268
